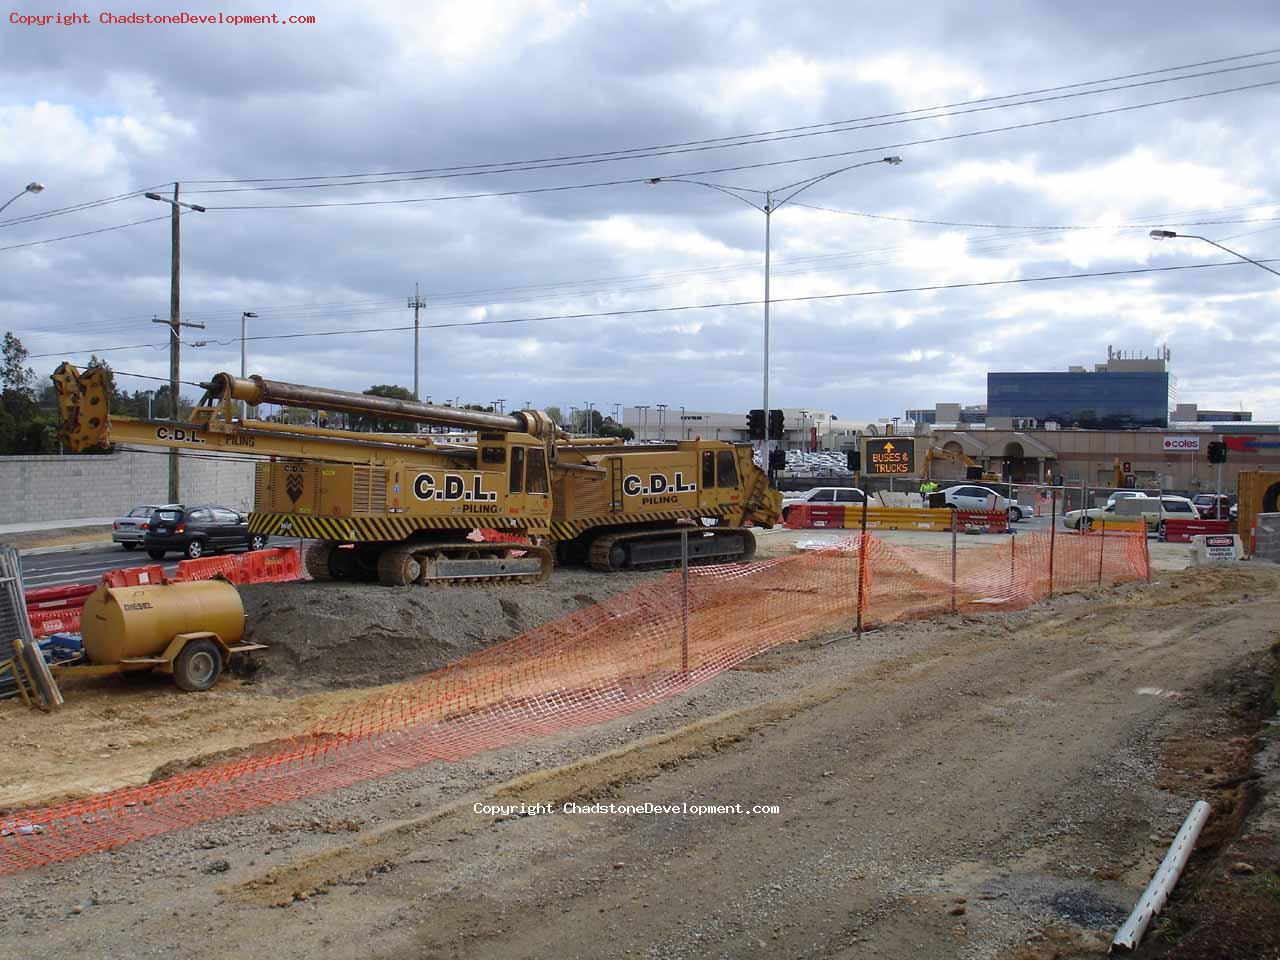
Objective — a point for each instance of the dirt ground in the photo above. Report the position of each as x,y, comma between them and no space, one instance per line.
983,786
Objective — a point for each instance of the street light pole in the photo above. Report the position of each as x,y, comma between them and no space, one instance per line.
244,339
33,187
1170,235
767,207
175,318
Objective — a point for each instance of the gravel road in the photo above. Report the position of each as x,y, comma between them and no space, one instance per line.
967,787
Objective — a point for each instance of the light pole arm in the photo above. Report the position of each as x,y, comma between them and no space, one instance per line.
1234,253
718,187
802,185
9,201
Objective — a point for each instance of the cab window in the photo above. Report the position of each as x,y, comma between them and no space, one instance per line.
517,470
493,455
726,469
708,469
537,471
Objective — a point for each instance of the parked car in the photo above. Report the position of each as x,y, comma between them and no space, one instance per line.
129,530
1152,509
197,531
849,495
965,497
1213,506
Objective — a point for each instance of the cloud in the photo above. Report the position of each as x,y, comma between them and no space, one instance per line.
98,113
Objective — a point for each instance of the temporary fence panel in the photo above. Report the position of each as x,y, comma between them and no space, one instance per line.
627,653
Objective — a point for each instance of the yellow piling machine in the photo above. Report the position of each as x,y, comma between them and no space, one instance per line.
396,508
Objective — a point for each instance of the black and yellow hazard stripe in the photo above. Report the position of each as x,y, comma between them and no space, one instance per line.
374,529
567,530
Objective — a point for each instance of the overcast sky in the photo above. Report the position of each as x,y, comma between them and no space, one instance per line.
97,111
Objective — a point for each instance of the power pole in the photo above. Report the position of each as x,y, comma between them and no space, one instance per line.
175,318
416,304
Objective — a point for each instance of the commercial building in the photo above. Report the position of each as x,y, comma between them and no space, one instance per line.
1126,392
804,429
1172,459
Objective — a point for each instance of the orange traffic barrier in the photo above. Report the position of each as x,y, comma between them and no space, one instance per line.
632,651
276,565
134,576
206,568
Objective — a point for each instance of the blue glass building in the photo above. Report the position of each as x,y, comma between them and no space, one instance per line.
1096,400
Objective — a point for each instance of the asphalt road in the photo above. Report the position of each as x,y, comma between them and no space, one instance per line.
88,566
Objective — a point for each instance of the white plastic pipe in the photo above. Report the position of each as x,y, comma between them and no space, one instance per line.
1162,884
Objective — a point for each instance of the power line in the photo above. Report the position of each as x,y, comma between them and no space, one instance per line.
1010,226
638,156
836,126
76,207
683,308
750,138
86,233
754,166
635,283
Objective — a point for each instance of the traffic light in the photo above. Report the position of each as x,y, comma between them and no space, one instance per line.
1217,452
853,458
755,424
775,425
777,459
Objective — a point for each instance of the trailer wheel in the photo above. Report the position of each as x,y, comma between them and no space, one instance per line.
198,666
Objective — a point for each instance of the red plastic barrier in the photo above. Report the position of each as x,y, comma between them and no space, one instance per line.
1181,531
996,522
206,568
45,623
134,576
805,516
277,565
66,595
500,536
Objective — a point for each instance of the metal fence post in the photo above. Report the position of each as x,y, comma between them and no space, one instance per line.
862,563
1053,534
954,530
1102,548
684,601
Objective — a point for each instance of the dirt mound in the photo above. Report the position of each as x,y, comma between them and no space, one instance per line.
325,635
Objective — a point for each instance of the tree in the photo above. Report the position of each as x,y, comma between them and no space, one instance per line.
14,372
611,428
379,424
582,423
554,413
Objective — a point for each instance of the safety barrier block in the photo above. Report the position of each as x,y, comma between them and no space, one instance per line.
987,521
45,623
1181,531
206,568
134,576
277,565
66,595
501,536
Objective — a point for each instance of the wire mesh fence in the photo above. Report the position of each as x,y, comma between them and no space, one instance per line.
634,650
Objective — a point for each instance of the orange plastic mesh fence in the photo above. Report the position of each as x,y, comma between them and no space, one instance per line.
627,653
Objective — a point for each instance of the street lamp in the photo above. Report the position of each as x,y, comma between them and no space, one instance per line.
33,187
1171,235
767,207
